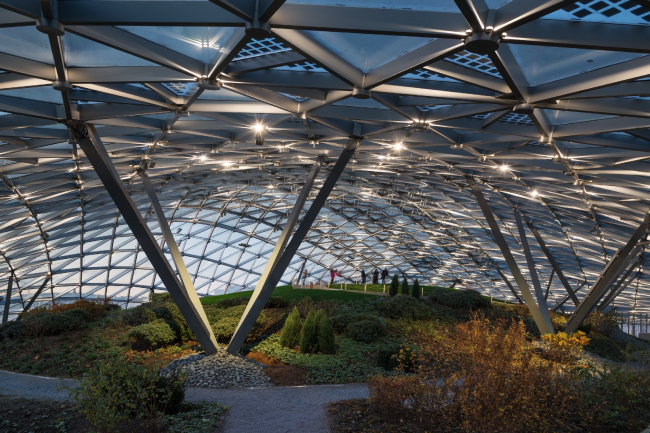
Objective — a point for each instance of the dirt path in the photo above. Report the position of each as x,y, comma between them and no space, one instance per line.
280,409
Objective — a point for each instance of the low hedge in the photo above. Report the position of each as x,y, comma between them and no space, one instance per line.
462,299
365,331
404,307
154,334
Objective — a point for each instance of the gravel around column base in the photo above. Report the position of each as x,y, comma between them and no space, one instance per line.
221,370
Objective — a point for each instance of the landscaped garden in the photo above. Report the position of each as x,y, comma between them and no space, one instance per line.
451,360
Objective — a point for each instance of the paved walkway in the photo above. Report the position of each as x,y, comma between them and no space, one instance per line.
281,409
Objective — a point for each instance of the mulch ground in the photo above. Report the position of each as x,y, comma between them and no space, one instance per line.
356,416
20,415
278,373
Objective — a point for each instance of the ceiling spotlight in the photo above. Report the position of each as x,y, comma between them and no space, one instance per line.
259,128
398,146
534,193
504,167
202,158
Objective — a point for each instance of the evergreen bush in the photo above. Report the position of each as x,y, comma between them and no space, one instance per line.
154,334
290,336
394,286
341,322
232,302
365,331
404,307
10,330
415,290
309,338
224,329
118,391
405,287
275,302
463,299
47,323
326,335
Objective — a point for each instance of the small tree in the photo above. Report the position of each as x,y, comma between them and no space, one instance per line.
415,290
291,330
405,286
309,338
326,335
394,286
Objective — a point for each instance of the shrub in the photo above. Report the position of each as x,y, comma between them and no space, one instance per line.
404,307
462,299
275,302
563,348
291,330
96,308
394,285
46,324
154,334
601,322
10,330
395,357
160,297
305,305
365,331
606,347
326,335
118,391
341,322
172,315
405,287
309,338
232,302
224,329
415,290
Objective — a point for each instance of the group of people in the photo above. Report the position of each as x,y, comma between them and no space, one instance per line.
334,273
375,276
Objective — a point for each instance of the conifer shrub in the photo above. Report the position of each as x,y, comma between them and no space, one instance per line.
290,336
325,335
415,290
462,299
365,331
404,307
309,337
224,329
154,334
394,286
405,287
12,329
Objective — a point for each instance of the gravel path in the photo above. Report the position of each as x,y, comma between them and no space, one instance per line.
277,409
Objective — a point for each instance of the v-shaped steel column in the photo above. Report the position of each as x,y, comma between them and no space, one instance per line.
541,299
5,315
185,298
280,260
544,326
606,278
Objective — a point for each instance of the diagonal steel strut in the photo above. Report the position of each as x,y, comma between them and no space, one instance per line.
544,326
279,260
186,299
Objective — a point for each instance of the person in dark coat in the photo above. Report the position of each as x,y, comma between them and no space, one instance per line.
363,276
375,276
384,275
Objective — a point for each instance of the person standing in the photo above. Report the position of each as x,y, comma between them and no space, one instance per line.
384,275
332,275
305,274
363,276
375,276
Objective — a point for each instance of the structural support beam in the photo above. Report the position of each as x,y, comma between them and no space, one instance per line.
5,315
606,278
553,262
279,261
36,295
186,300
539,317
617,289
541,299
509,284
566,298
167,235
548,287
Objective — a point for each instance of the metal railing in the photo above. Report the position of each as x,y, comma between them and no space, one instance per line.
634,323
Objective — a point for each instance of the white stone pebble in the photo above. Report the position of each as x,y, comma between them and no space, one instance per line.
221,370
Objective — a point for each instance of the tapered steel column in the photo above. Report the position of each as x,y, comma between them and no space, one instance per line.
186,299
167,234
509,284
543,326
548,287
279,260
36,295
5,315
566,298
541,299
553,262
617,289
606,278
